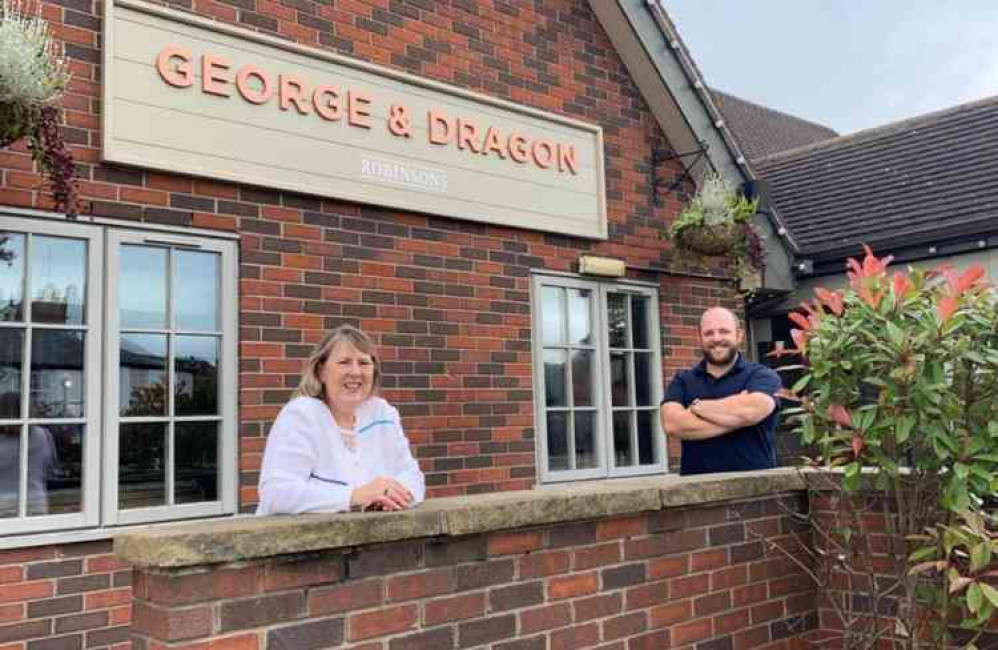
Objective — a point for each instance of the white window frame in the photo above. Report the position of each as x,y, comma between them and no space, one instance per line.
605,466
100,445
89,514
113,515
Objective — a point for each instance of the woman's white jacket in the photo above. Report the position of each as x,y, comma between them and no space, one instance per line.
307,467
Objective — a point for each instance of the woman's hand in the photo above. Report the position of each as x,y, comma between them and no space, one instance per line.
382,493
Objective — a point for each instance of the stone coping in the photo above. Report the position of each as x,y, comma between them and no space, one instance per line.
245,538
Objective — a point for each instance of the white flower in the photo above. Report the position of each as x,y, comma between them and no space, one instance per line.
715,196
32,74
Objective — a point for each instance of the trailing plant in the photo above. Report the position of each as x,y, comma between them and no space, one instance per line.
900,394
720,221
33,77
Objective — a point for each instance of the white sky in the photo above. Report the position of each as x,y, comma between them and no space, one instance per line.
847,64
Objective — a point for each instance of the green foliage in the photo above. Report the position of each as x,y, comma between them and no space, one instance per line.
719,220
902,388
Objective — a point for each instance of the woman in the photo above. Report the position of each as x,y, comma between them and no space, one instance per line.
336,446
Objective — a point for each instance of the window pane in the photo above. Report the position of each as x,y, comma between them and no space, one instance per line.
11,364
582,377
643,378
553,314
619,384
10,470
57,373
142,287
616,318
142,389
55,469
196,375
142,465
622,453
640,325
58,280
580,329
554,378
557,441
585,440
195,291
196,478
11,276
646,440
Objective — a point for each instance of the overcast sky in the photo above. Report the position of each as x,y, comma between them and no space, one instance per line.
847,64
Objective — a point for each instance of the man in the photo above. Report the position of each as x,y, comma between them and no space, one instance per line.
724,409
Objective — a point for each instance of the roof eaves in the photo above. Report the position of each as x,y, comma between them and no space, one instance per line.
688,65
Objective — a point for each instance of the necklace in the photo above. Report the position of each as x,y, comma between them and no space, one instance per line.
349,438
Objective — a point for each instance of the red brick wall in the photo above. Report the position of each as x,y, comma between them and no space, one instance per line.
447,300
64,597
687,578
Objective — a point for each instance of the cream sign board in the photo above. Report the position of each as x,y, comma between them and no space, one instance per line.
187,94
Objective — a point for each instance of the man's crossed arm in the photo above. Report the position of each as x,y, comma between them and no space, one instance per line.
710,418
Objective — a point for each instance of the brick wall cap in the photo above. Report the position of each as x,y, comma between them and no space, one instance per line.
245,538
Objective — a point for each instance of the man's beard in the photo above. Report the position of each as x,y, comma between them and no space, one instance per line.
723,361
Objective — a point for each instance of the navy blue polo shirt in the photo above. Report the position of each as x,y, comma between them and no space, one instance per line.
739,450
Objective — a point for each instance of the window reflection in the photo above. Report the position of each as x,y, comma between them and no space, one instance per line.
196,375
619,383
142,375
142,465
10,470
578,317
54,465
646,437
142,295
582,377
553,310
640,325
554,378
11,276
616,318
57,373
196,473
557,425
11,363
58,280
622,452
195,290
585,440
643,378
55,469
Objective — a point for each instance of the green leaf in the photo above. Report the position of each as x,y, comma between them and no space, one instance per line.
980,556
975,597
922,553
990,593
905,424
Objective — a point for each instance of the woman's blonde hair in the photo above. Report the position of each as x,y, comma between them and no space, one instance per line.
311,383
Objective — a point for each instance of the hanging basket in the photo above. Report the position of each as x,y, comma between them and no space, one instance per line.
14,123
710,240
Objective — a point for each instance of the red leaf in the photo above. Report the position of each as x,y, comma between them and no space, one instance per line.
800,320
901,286
857,445
968,279
838,304
947,305
800,339
840,415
